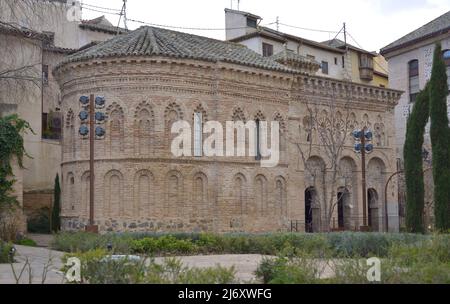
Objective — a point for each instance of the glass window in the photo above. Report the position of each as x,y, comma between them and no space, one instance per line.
267,49
198,134
258,140
45,74
325,67
446,54
414,85
252,22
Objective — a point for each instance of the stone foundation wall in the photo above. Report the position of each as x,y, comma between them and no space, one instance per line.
175,225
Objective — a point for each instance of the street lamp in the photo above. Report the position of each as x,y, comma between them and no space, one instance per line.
363,146
89,116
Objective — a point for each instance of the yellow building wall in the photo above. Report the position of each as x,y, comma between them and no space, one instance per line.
380,65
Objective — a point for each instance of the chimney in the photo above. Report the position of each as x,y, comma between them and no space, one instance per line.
238,23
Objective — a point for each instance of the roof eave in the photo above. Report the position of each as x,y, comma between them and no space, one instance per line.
386,50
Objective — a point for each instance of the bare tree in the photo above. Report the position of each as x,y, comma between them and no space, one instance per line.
327,126
21,41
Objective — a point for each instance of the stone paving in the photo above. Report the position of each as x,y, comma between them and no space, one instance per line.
39,260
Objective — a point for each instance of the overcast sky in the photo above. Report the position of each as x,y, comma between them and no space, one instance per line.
372,23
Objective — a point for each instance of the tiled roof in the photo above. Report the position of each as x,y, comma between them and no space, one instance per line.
337,43
153,41
292,56
56,49
102,24
433,28
283,37
296,61
21,31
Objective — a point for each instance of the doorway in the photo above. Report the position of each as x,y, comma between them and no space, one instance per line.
310,194
373,211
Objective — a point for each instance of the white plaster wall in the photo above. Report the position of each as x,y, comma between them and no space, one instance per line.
334,70
398,79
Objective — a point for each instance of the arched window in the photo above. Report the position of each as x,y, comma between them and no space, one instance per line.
174,194
260,189
69,135
414,86
240,195
113,204
172,114
116,129
144,119
446,55
199,119
200,197
259,118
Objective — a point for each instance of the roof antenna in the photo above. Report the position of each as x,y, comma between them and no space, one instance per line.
123,13
239,3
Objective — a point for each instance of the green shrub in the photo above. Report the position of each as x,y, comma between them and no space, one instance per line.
302,269
346,244
40,223
172,271
26,242
406,260
268,268
82,242
164,244
97,268
5,253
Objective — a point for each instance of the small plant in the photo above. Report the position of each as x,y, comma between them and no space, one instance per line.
165,244
97,267
6,253
26,242
301,269
56,209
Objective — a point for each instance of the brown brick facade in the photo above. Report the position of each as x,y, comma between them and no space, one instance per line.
140,186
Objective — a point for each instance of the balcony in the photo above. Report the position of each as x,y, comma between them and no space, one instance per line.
366,73
366,67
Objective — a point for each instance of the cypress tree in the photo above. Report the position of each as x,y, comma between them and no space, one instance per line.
56,220
412,154
440,140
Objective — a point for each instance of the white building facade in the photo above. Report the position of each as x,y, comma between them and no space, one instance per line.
410,63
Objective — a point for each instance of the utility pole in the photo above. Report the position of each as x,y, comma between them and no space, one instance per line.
278,24
345,36
91,117
91,227
363,138
123,13
363,170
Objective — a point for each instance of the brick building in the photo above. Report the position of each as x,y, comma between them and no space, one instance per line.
152,77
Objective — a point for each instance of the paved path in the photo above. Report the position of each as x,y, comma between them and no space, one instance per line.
42,240
245,265
38,259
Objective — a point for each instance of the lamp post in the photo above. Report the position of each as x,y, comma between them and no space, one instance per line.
89,116
362,145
